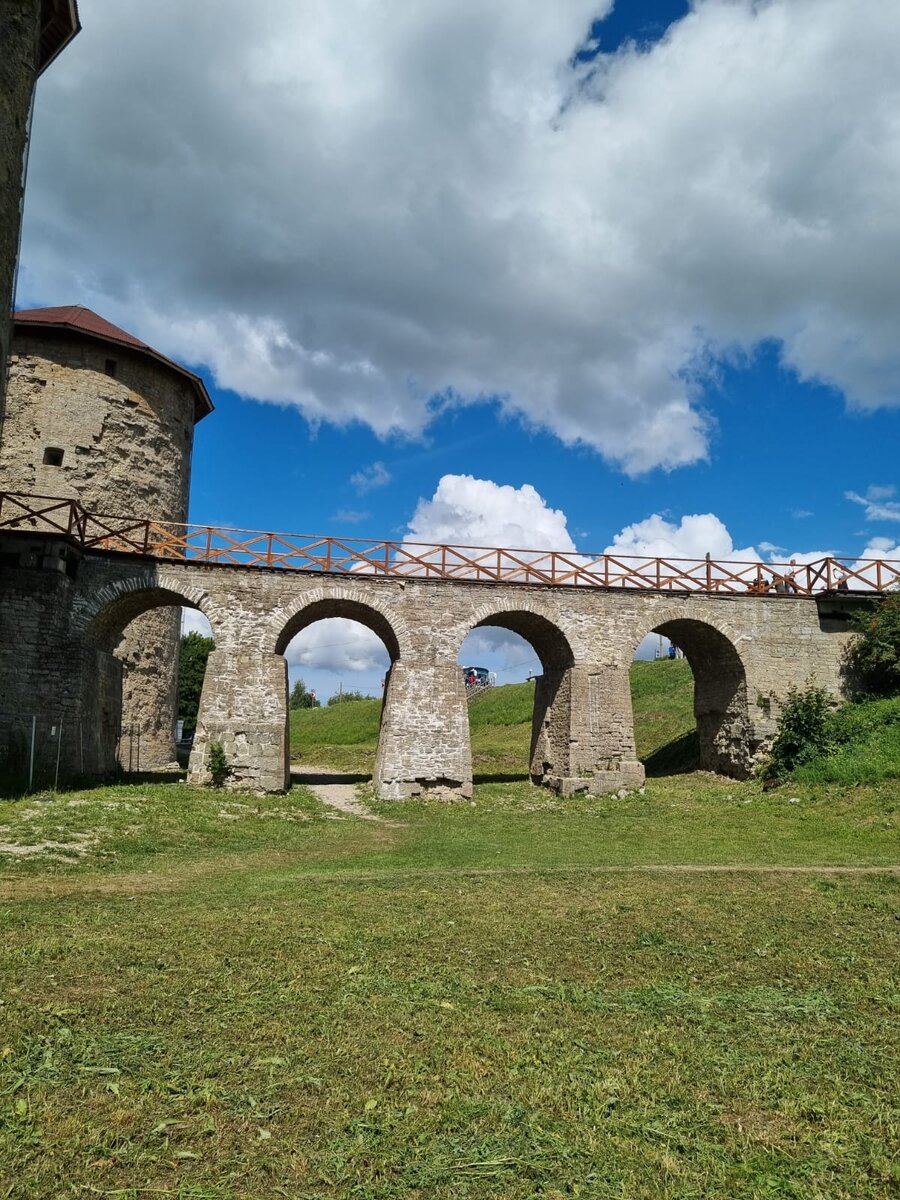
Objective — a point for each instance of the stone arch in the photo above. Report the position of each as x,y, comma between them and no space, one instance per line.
724,729
324,603
107,611
549,638
548,754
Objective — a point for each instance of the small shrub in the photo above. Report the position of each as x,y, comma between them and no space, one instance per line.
347,698
802,732
217,764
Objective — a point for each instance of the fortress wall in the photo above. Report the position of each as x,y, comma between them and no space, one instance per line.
125,440
19,30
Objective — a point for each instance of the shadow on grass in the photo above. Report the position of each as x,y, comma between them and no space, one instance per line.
18,789
676,758
500,777
308,776
151,777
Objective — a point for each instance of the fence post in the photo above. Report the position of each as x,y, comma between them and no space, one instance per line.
58,748
31,756
708,573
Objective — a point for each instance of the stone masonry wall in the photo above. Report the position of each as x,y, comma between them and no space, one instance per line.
126,443
64,692
585,739
19,30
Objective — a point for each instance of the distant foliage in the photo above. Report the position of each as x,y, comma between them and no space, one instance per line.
217,764
347,697
195,650
301,698
875,651
802,730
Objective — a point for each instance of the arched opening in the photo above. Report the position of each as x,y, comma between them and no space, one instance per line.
515,668
339,652
701,677
132,689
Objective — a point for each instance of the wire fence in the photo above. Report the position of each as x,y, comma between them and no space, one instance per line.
39,751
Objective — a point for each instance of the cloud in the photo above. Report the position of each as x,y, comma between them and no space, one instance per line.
878,503
374,211
193,621
350,516
693,538
800,514
336,644
369,478
881,547
465,511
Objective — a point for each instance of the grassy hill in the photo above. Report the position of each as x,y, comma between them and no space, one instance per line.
345,735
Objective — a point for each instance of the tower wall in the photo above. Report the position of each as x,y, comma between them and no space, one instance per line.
122,426
19,33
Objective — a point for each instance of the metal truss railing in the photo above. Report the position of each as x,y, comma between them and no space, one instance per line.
216,546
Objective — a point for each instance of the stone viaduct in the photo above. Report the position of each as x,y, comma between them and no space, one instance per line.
65,608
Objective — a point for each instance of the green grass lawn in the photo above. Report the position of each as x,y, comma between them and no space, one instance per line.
345,736
212,996
219,997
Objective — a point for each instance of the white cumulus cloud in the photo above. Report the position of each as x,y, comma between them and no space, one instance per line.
693,537
374,210
336,644
465,511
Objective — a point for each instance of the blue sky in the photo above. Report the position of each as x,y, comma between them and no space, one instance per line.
622,254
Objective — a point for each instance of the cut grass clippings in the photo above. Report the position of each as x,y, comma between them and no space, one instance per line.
213,996
637,1036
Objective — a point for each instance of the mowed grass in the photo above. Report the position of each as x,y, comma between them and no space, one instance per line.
213,996
686,819
275,1032
345,736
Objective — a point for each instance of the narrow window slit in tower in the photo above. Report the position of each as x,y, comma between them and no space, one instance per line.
53,456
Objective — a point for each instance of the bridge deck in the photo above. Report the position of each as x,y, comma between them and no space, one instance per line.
216,546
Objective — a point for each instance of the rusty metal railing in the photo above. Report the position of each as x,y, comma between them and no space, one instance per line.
217,546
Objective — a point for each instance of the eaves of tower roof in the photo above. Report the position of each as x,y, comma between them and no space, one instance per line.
59,24
75,318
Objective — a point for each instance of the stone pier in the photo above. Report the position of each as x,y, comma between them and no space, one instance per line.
63,612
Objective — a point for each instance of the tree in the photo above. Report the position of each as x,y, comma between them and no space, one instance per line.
195,650
875,651
301,698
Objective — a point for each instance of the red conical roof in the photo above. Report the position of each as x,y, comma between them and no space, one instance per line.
78,319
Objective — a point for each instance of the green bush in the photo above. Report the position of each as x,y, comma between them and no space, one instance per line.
217,764
347,698
802,734
875,651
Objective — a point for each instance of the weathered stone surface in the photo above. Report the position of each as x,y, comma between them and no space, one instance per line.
125,441
244,707
745,651
19,30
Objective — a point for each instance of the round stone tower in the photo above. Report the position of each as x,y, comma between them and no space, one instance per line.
94,414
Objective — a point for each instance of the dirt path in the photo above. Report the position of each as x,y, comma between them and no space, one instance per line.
337,790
